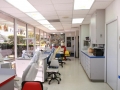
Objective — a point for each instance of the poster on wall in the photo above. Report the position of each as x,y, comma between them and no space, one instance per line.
57,38
68,41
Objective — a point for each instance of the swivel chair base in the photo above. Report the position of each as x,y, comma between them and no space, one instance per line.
54,77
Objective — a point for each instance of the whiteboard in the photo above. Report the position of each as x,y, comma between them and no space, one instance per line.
112,54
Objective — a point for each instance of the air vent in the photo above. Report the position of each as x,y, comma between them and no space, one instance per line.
74,27
54,20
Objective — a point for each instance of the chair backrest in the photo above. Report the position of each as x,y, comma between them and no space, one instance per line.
32,85
25,72
35,57
6,65
31,73
67,53
54,63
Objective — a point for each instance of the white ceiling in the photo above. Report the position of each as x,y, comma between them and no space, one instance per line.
56,9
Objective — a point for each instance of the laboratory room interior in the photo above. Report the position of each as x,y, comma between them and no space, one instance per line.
59,45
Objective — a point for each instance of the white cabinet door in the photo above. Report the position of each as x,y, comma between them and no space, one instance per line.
88,66
93,31
98,27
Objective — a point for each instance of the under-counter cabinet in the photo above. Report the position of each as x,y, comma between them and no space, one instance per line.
97,27
93,66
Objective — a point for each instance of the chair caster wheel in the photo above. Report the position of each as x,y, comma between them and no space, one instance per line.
60,79
58,82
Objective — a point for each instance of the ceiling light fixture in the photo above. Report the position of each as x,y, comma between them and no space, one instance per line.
28,9
77,20
22,5
83,4
35,15
43,22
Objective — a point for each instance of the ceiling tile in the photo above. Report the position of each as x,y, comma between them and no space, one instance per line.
19,15
86,22
75,25
79,15
67,25
10,10
34,23
80,11
26,19
88,16
64,13
65,17
87,19
62,1
45,8
51,17
63,7
4,4
55,23
104,0
49,13
40,2
66,20
100,5
92,11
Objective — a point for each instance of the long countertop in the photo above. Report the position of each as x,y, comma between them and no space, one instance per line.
90,55
5,79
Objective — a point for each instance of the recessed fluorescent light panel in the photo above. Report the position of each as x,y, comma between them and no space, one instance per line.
77,20
22,5
52,28
35,15
83,4
28,9
43,22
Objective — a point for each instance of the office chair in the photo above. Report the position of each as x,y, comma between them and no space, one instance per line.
59,58
28,75
67,54
35,57
32,85
54,70
49,59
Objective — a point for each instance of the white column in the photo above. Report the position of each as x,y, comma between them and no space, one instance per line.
15,37
27,37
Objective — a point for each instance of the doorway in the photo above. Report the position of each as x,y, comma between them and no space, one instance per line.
112,54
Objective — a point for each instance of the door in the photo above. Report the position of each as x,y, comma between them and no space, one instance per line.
112,54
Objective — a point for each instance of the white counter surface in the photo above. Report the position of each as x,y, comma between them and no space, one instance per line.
4,78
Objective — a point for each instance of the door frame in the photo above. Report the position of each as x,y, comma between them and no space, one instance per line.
105,71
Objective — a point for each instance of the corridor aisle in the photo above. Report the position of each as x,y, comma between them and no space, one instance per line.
74,78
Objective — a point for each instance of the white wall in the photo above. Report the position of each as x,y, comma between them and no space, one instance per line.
112,12
70,34
84,32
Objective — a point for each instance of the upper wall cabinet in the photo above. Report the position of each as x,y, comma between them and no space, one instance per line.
97,27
